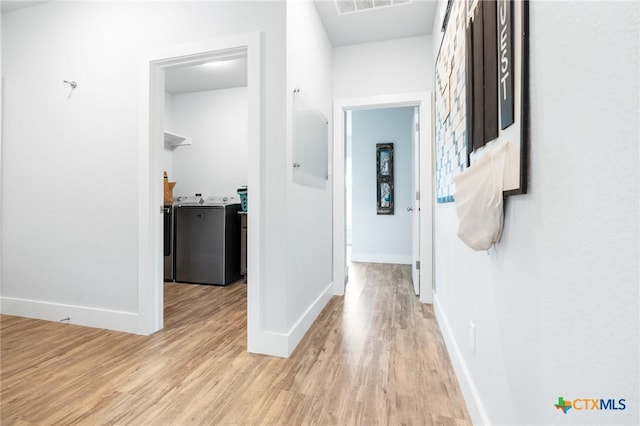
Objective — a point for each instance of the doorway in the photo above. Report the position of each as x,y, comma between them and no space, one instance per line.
205,156
150,294
424,215
374,237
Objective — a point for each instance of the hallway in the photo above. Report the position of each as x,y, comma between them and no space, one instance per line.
374,357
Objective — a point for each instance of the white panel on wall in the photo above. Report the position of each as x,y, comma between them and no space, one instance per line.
381,238
215,164
310,142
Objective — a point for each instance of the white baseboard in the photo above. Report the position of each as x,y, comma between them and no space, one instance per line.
468,387
269,343
127,322
283,344
300,328
381,258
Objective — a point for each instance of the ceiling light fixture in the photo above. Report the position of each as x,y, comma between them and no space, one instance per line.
218,64
345,7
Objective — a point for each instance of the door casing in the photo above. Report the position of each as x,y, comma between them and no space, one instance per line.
422,100
150,179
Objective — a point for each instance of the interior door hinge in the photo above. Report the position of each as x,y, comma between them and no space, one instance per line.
417,264
417,195
417,127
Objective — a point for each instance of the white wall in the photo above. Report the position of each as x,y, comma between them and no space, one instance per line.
363,73
167,153
215,164
556,306
309,223
70,183
381,238
380,68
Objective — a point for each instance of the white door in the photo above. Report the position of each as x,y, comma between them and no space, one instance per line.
415,208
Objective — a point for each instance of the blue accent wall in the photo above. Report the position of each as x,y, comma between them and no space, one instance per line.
381,238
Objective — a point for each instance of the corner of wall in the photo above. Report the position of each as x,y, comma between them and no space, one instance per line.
283,344
300,328
308,274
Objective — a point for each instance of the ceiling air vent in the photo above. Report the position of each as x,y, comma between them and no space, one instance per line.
352,6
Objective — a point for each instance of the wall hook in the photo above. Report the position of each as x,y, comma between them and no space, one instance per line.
73,85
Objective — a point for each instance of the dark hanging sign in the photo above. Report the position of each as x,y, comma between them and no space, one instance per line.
447,13
479,33
505,36
478,78
469,91
484,57
490,51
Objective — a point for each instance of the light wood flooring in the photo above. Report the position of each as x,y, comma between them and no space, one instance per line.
373,357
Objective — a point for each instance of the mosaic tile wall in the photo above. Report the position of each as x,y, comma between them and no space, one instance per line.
450,126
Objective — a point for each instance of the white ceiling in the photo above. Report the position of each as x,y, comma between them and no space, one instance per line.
213,76
9,5
385,23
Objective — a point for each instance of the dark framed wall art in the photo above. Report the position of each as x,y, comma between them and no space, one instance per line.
384,178
482,90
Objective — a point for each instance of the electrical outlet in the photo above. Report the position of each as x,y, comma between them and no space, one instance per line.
472,336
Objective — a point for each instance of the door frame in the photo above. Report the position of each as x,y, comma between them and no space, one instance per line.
150,181
415,205
423,100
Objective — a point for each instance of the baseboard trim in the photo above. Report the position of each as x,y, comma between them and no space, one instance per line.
469,390
304,323
127,322
283,344
381,258
271,343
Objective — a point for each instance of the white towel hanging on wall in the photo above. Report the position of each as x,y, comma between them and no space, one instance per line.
479,200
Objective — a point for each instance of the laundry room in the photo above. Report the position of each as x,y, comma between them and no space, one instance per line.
205,161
